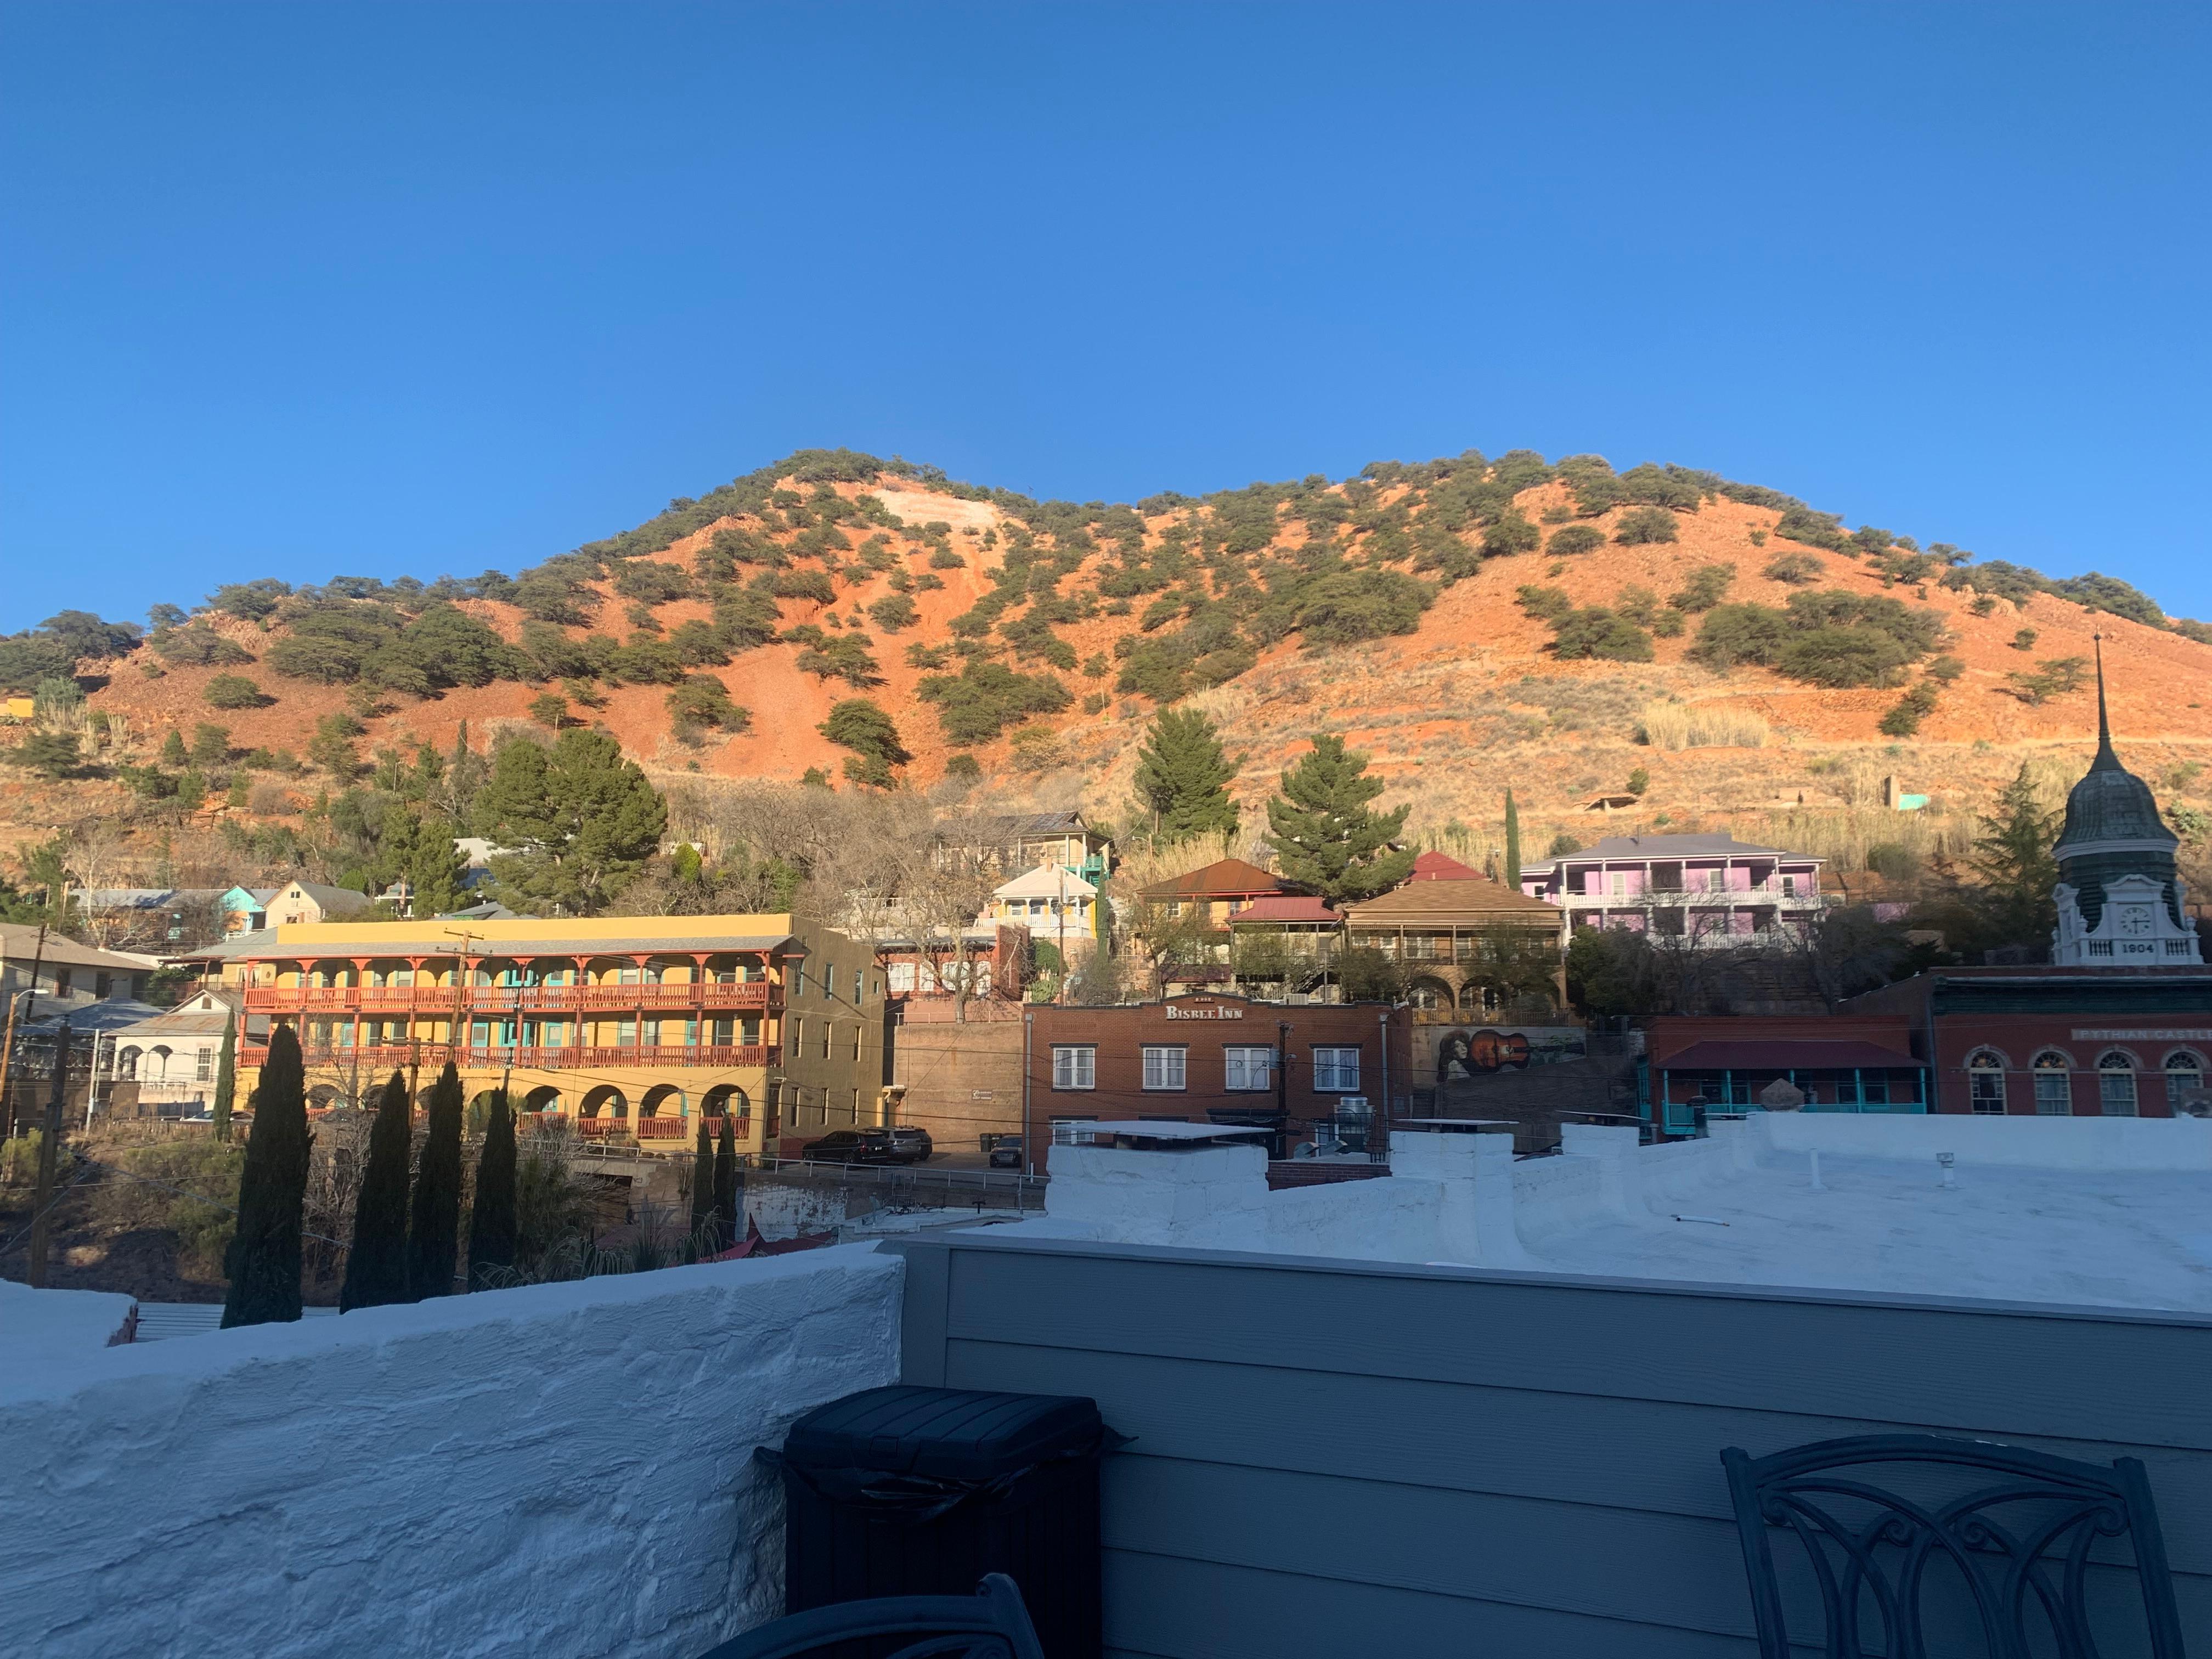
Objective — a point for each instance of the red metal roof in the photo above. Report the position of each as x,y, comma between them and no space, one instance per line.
1223,878
1286,907
1441,866
1780,1054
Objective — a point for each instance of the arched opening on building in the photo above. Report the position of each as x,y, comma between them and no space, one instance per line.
1480,999
324,1096
2184,1082
544,1098
606,1101
2054,1083
1985,1083
2117,1095
664,1100
1429,995
126,1062
723,1099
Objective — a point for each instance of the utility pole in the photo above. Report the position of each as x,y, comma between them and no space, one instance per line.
49,1149
7,1044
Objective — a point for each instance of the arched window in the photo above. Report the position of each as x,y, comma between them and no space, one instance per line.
1985,1088
126,1063
1427,994
2054,1084
2185,1079
2116,1084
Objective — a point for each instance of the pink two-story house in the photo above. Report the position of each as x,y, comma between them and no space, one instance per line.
1706,890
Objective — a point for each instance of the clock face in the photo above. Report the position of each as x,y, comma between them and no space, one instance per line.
2135,918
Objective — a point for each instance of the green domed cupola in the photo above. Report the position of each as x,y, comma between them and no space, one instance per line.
2119,896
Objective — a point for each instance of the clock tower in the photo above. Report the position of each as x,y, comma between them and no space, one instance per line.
2119,896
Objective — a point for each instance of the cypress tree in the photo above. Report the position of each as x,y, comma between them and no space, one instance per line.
726,1185
376,1267
1325,835
1183,777
492,1221
433,1232
702,1181
263,1260
1512,876
226,1079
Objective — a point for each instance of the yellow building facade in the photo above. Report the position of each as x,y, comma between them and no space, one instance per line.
635,1024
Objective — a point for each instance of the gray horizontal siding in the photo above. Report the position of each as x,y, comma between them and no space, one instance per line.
1466,1459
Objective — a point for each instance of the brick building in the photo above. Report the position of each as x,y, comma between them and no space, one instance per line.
2103,1042
1220,1059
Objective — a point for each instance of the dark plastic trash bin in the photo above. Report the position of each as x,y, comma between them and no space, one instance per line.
920,1492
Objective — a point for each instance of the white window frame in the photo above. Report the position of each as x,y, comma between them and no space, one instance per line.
1985,1083
1064,1131
1167,1068
1075,1066
1335,1070
2112,1066
1241,1062
903,978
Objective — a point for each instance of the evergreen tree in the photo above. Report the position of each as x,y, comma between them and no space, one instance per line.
726,1184
491,1220
1325,835
584,819
1183,777
174,752
702,1181
433,1232
1512,876
263,1260
376,1267
226,1080
2012,860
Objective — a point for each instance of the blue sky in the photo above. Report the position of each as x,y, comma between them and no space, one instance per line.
306,290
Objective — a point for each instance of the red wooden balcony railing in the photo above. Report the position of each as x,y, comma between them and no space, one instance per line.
389,1056
505,999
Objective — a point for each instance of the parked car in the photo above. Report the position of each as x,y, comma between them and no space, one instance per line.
1006,1152
911,1146
852,1146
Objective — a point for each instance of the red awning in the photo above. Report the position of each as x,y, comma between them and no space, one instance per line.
1782,1055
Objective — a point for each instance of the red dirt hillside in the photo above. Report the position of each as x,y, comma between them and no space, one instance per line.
1383,607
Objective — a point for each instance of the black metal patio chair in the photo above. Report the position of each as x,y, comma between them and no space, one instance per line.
2012,1558
991,1624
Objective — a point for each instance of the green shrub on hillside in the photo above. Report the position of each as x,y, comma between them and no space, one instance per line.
1642,525
196,645
2108,593
979,703
1707,586
1800,523
1511,534
1545,604
703,700
1347,606
1575,538
894,612
234,691
1798,569
1597,634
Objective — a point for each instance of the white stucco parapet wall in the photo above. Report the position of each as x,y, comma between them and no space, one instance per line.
2099,1212
565,1469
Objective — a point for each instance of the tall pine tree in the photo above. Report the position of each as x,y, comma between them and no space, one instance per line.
1325,836
726,1184
1182,778
434,1232
2012,860
376,1266
491,1219
1512,876
702,1186
226,1080
263,1260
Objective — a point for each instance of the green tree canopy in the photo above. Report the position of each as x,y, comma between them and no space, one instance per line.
1325,835
1183,777
858,725
2014,868
583,820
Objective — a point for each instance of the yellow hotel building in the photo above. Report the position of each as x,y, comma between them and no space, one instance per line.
641,1023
